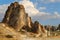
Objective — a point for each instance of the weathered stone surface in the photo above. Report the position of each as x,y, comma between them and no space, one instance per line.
39,29
8,33
42,31
35,27
15,16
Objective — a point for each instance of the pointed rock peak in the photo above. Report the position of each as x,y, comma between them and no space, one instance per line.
15,16
16,4
21,6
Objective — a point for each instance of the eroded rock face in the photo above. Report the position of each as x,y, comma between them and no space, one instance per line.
35,27
42,31
38,28
6,32
15,16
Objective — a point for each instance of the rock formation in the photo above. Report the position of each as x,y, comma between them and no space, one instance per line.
39,29
7,33
17,18
35,27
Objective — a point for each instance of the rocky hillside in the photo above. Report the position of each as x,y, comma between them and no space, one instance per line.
8,33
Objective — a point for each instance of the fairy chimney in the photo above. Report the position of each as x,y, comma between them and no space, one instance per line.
15,16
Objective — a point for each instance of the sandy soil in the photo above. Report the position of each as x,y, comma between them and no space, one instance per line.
45,38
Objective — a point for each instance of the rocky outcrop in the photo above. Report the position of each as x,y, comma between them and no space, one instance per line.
42,31
35,27
39,30
8,33
16,16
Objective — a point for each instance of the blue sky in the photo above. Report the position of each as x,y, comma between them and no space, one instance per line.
45,11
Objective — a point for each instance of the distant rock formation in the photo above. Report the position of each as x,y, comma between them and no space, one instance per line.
39,29
35,27
58,28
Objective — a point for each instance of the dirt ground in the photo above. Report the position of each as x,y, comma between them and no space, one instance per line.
45,38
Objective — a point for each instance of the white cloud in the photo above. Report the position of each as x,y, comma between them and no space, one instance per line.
32,11
49,1
42,8
45,16
56,15
29,7
3,8
52,0
24,0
